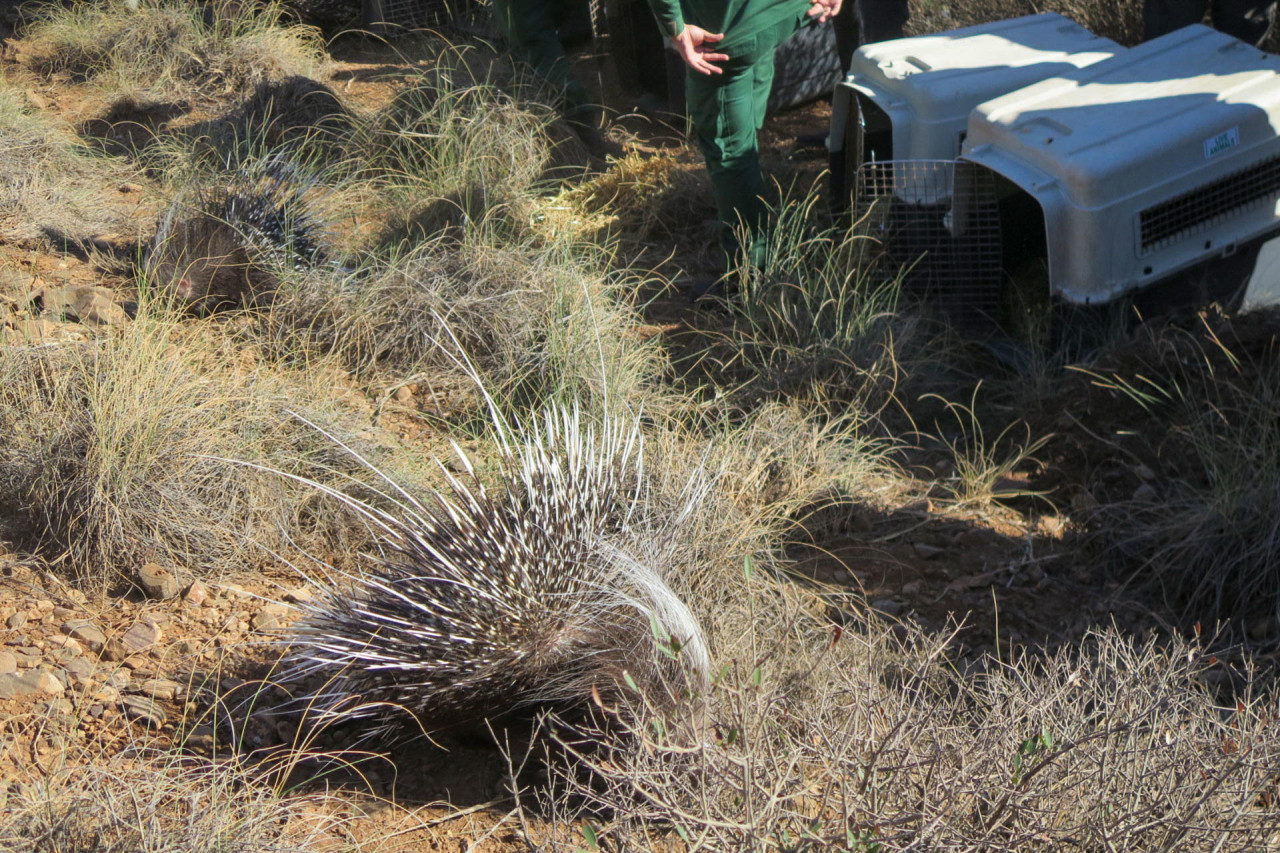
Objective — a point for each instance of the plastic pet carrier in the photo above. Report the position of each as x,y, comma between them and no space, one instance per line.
1155,172
911,98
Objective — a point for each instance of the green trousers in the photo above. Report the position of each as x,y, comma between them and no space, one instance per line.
531,28
728,111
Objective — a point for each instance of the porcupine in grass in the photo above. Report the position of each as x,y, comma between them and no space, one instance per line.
481,605
230,247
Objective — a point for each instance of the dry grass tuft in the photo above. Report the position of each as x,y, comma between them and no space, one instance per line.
116,451
162,802
1207,537
164,51
538,320
861,738
49,181
645,198
448,151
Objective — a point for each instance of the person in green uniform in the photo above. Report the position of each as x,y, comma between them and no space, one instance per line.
728,47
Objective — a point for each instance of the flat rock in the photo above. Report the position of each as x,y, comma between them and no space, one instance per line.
141,636
85,632
83,303
265,622
143,709
80,668
8,663
33,682
157,688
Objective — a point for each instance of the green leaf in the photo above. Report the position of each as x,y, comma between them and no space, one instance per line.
589,833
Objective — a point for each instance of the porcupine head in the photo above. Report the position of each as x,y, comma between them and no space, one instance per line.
204,263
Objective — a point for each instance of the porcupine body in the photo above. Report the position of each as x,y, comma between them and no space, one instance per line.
480,605
229,249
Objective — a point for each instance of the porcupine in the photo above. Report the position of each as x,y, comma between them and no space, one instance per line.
483,605
230,249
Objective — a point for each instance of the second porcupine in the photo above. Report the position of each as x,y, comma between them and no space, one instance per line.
229,247
480,605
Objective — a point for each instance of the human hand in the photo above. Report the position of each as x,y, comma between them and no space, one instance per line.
824,10
695,45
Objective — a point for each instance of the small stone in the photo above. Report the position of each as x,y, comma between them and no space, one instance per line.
185,647
887,606
17,621
158,582
69,644
80,668
264,622
158,688
114,651
841,576
912,588
202,739
927,552
85,632
141,636
403,394
197,594
300,595
1144,493
143,710
44,605
8,663
1144,473
63,613
119,678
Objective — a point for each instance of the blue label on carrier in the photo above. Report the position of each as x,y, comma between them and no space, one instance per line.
1224,141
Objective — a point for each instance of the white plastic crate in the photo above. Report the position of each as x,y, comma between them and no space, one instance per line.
911,98
1160,162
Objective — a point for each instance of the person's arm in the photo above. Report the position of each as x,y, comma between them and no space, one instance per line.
694,44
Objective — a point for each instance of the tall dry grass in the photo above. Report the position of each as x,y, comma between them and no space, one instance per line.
1206,537
150,444
818,737
53,188
148,798
160,51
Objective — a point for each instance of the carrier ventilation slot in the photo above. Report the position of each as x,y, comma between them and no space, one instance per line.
1209,205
